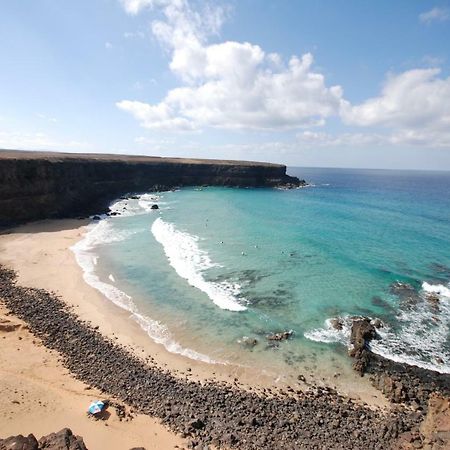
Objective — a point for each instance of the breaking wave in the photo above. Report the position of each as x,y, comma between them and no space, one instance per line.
100,233
421,337
190,262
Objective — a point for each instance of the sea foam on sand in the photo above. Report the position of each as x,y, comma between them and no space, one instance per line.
101,233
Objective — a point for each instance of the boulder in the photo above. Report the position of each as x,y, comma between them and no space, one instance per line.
280,336
155,207
363,331
8,326
391,387
62,440
19,443
337,324
377,323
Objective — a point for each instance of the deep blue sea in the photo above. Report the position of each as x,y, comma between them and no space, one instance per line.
215,270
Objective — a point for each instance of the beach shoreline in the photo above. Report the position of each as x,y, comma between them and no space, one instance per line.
209,413
41,254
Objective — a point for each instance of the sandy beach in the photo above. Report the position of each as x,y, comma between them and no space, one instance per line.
36,384
40,254
40,396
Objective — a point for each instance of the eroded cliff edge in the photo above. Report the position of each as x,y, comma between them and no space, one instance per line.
42,185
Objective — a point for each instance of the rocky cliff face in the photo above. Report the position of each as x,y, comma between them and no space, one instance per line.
37,185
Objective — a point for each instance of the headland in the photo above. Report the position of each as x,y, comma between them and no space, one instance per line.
49,185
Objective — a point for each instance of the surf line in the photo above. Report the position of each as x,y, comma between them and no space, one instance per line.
190,261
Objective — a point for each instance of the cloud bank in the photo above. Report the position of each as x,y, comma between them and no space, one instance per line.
237,85
232,84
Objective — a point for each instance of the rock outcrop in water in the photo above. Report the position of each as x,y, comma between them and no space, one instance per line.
400,383
363,331
38,185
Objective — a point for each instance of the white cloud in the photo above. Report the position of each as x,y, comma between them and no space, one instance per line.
37,141
414,104
435,15
135,6
237,85
108,45
320,139
134,35
230,84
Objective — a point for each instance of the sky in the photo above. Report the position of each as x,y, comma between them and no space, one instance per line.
324,83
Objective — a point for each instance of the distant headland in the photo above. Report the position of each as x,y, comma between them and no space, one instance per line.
42,185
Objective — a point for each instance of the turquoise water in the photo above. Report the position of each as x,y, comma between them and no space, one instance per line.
216,267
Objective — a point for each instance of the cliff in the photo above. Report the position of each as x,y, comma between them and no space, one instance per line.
42,185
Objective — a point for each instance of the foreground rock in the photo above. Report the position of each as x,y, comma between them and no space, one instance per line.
62,440
211,413
434,432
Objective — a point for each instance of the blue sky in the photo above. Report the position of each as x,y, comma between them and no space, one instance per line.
308,83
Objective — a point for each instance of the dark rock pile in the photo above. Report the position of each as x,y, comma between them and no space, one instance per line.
203,413
400,383
62,440
407,384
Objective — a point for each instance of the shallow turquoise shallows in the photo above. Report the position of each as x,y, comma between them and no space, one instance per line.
215,270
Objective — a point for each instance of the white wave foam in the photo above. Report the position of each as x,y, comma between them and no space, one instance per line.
142,204
161,335
423,332
103,233
111,277
100,233
189,261
330,334
438,289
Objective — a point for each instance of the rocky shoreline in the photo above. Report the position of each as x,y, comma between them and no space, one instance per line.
400,383
215,413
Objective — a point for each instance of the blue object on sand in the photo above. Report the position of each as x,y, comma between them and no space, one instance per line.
96,407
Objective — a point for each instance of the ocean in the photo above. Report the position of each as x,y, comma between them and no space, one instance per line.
215,271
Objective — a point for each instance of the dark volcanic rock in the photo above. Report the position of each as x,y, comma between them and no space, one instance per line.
38,185
363,331
282,336
210,413
19,443
337,324
155,207
62,440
